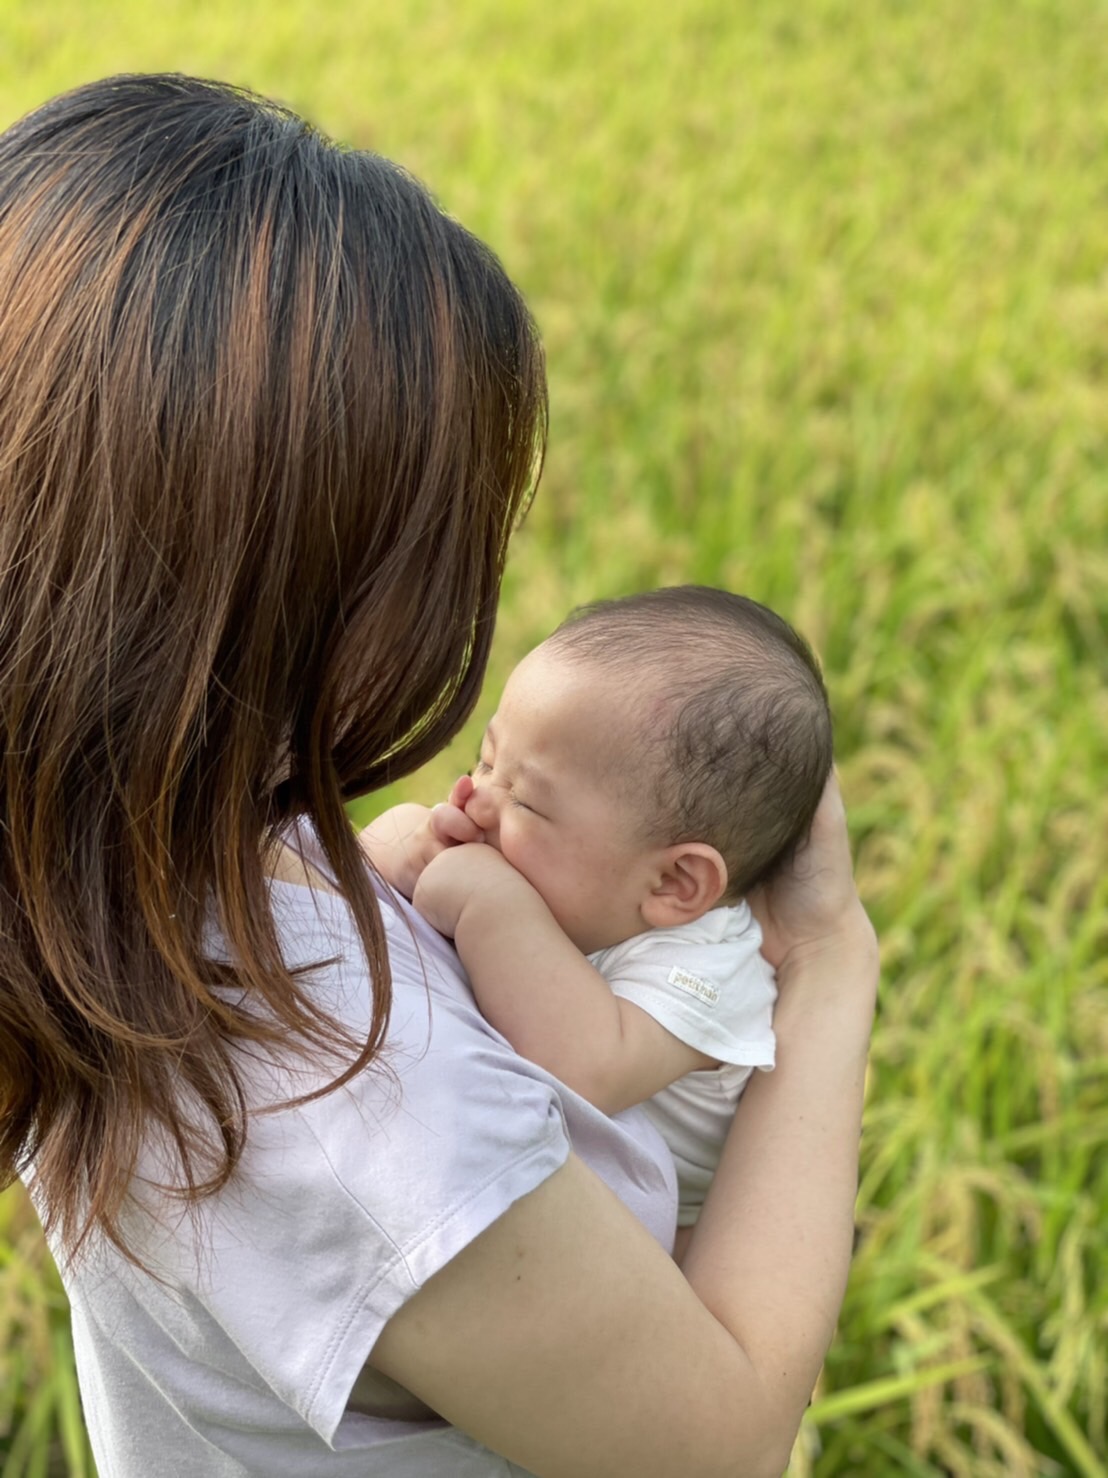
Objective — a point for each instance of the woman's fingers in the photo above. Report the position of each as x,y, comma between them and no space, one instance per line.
814,896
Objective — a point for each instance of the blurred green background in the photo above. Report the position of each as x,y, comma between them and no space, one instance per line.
824,291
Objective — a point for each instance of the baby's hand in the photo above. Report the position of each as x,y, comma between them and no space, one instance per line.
457,877
460,793
402,841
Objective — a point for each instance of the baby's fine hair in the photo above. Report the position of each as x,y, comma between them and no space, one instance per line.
736,745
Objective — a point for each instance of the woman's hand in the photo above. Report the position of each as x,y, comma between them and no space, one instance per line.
812,908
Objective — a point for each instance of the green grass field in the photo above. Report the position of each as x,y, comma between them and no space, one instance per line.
824,290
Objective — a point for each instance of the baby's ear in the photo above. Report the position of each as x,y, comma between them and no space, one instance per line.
692,879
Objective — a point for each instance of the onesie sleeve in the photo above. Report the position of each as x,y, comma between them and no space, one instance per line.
707,983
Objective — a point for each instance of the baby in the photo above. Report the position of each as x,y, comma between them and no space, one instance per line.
649,765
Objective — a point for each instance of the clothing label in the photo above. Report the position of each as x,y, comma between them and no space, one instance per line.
694,985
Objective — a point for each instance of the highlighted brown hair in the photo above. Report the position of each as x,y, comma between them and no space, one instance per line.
267,418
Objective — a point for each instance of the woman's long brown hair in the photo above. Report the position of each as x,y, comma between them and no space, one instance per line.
267,418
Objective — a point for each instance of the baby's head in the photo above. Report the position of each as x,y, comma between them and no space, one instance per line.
721,704
657,755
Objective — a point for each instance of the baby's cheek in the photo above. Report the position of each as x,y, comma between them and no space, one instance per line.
510,846
524,857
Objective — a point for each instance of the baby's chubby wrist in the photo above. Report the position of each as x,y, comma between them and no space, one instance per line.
466,884
403,840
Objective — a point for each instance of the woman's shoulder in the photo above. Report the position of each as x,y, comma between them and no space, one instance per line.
449,1124
345,1202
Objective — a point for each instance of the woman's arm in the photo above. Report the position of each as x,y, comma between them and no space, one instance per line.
789,1169
534,985
564,1338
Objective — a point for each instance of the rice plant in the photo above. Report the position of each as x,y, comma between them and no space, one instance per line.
824,290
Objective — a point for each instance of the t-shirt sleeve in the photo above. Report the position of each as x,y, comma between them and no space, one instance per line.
235,1343
345,1206
715,994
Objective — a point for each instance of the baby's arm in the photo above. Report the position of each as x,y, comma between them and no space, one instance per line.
539,991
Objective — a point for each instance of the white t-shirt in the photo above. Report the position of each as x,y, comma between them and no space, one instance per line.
709,984
241,1362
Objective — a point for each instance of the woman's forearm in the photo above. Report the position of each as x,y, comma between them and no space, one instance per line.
770,1253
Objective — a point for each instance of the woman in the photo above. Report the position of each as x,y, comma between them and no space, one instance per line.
267,418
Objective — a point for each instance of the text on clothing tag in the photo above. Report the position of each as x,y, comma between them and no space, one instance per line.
694,985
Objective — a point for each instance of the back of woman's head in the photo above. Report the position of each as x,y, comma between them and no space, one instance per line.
267,417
